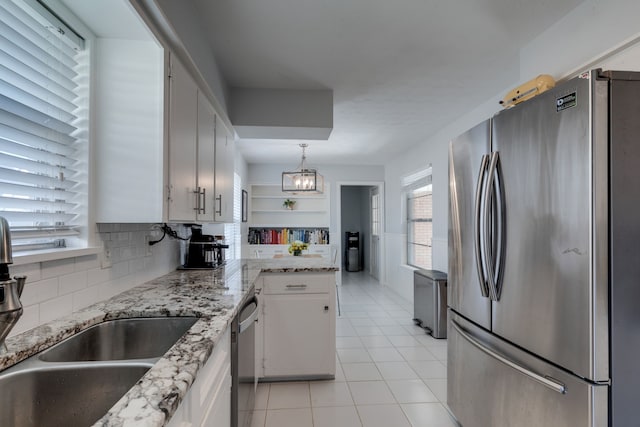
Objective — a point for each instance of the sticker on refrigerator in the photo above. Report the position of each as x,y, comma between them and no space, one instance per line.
566,101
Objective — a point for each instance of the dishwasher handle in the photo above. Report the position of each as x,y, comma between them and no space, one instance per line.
246,323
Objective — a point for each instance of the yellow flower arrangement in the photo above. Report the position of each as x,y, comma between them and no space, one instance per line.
296,247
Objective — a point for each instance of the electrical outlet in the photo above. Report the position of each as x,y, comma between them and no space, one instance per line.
105,261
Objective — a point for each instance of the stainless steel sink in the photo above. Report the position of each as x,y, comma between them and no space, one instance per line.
77,381
123,339
63,395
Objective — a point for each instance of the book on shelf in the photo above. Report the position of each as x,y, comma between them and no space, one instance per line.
285,236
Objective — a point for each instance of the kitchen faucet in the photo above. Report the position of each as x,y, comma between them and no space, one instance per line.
10,289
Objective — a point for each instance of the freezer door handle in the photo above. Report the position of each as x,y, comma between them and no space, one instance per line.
484,289
545,380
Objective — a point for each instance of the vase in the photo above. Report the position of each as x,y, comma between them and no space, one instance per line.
297,253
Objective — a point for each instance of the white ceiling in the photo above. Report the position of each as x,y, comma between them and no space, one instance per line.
400,70
110,19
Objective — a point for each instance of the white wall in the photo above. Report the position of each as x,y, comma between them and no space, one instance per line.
333,174
58,288
596,34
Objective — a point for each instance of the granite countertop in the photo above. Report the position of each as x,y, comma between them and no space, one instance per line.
213,295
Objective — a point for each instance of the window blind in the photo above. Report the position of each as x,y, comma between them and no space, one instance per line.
417,188
233,231
38,125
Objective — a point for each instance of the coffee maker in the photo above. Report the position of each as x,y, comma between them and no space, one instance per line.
200,251
203,251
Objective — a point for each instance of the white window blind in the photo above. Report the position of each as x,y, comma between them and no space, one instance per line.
417,188
39,131
232,231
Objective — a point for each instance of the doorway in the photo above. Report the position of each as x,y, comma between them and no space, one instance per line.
360,212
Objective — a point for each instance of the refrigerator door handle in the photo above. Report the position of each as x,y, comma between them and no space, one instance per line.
487,220
484,289
501,228
545,380
494,204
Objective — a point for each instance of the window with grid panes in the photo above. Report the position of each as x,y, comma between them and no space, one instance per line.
417,188
43,115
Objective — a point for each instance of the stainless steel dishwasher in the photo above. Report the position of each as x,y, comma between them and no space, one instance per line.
243,375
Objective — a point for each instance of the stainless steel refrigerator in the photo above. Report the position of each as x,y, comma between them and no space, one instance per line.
544,260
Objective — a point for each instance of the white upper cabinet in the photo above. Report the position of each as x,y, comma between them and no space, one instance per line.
129,149
206,160
225,158
201,161
183,139
162,152
154,134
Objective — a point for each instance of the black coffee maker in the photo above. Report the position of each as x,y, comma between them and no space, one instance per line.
201,252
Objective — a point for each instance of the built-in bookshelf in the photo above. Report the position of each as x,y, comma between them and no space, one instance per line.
285,236
267,208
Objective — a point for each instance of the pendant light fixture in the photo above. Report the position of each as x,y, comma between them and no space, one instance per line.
303,180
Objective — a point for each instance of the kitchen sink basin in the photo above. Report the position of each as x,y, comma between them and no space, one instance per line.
52,396
122,339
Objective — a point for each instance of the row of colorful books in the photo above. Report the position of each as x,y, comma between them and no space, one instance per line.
285,236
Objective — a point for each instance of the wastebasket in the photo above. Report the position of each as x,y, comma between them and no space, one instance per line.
430,301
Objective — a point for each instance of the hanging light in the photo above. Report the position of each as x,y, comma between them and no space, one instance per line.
303,180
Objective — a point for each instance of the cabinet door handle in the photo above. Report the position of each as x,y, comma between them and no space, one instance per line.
197,193
296,286
200,199
219,198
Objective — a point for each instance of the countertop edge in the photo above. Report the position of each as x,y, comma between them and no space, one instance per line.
157,395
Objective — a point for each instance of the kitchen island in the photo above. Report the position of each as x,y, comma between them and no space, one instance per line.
212,295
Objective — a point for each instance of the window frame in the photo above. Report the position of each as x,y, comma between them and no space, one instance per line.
412,229
84,243
415,185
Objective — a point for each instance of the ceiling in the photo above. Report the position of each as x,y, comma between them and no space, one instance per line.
110,19
399,70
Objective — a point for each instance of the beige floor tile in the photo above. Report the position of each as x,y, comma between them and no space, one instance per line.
383,416
353,355
385,354
428,414
300,417
289,395
343,416
429,369
361,371
396,371
330,393
411,391
371,392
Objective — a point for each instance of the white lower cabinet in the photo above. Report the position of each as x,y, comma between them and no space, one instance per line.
208,402
269,251
298,325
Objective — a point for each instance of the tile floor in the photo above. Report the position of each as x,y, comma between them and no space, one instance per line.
389,373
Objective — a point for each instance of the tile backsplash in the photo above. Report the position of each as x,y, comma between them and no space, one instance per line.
61,287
